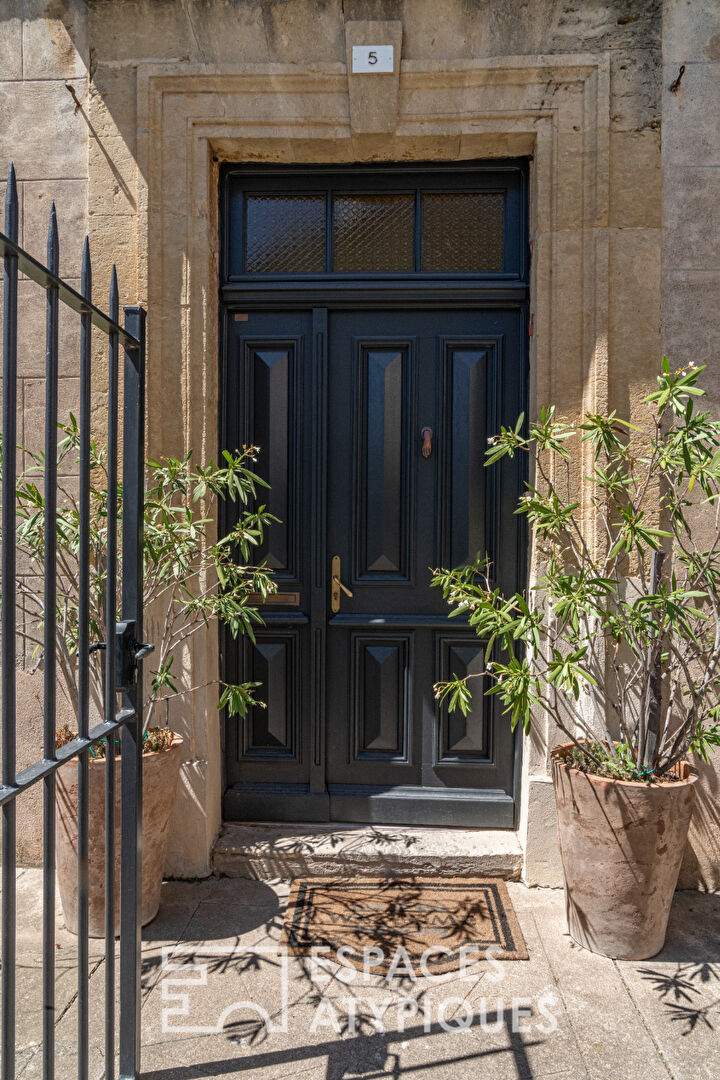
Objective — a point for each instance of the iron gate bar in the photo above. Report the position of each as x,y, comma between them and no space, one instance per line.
72,299
41,770
132,732
84,673
49,654
110,619
7,621
128,718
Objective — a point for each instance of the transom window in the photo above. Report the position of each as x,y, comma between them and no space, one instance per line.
457,221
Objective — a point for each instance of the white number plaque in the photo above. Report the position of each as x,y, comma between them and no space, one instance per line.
369,58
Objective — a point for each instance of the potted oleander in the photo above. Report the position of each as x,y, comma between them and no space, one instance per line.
191,578
617,642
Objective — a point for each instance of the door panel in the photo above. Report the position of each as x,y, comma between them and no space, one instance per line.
269,394
337,402
387,738
382,423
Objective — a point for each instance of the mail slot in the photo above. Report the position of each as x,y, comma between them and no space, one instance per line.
290,599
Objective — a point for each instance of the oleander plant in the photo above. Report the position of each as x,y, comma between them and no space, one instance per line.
618,639
192,577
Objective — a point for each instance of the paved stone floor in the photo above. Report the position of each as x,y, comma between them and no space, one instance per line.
220,1000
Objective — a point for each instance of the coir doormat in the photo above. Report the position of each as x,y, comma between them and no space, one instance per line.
432,919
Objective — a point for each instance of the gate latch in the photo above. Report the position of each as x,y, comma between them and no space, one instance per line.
128,650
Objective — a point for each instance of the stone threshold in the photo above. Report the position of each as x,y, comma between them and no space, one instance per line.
280,852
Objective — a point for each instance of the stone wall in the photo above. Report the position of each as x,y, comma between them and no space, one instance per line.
43,51
691,279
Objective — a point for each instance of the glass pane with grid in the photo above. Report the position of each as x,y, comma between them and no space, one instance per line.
374,232
463,231
285,233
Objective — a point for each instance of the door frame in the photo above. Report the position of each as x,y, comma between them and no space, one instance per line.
348,292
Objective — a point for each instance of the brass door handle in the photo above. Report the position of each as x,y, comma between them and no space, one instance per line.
336,585
427,436
344,588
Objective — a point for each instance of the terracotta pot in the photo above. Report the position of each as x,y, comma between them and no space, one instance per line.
160,778
621,845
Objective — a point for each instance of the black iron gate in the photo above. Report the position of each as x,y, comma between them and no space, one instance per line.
123,673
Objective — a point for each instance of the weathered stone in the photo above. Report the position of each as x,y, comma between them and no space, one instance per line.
45,109
690,134
11,59
373,97
286,851
55,39
692,218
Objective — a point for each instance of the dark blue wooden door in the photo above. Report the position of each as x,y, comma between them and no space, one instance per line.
342,404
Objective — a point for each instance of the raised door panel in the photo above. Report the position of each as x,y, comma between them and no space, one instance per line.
380,681
273,729
470,408
464,739
272,397
383,462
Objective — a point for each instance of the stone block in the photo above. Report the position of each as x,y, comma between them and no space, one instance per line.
373,97
636,90
691,31
128,30
691,133
193,824
29,750
690,326
112,169
112,101
635,179
692,218
33,408
41,130
70,198
701,866
542,864
31,332
270,852
634,312
55,39
11,40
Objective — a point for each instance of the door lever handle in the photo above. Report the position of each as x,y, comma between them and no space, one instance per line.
336,585
340,585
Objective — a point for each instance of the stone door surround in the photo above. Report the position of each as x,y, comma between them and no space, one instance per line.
553,109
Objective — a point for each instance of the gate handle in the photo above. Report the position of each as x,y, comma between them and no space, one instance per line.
427,437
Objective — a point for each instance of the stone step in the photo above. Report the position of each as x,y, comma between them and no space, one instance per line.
271,852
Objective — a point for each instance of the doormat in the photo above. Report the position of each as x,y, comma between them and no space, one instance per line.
440,922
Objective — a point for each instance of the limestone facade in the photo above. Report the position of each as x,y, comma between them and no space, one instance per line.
621,193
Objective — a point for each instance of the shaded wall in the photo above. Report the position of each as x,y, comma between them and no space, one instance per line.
691,280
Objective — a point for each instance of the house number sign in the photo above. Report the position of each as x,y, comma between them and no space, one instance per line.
372,58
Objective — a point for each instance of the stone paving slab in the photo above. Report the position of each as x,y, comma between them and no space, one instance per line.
220,999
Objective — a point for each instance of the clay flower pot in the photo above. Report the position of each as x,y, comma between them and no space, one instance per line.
621,845
160,779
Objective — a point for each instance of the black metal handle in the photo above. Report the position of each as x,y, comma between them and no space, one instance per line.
128,651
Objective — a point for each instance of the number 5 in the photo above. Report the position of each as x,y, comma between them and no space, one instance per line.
372,57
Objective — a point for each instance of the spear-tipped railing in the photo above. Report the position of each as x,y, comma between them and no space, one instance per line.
124,717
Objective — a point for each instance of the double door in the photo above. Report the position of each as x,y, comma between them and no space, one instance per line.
372,428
